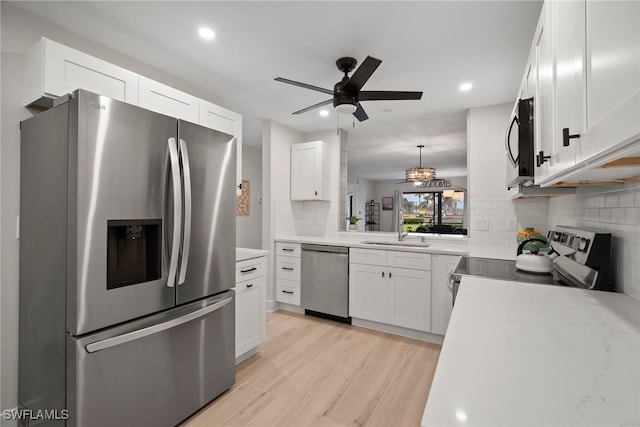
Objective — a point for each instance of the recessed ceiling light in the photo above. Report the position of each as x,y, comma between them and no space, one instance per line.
206,33
464,87
324,113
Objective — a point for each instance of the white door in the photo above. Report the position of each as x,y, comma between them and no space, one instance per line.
410,298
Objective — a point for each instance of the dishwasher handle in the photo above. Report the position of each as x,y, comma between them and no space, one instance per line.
325,248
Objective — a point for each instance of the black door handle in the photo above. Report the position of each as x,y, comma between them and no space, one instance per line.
566,137
541,158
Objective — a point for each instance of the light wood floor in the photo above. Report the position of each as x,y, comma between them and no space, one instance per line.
316,372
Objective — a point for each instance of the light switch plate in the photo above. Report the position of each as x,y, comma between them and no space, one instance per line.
512,223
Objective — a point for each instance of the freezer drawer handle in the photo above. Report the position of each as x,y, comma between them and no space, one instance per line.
141,333
248,270
177,211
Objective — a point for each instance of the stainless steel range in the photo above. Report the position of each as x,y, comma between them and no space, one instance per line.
581,258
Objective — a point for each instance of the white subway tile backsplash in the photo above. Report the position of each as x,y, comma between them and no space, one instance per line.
611,201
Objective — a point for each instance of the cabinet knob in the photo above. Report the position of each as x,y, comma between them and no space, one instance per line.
566,137
541,158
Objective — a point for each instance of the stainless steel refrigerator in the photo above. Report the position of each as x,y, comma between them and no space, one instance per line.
127,258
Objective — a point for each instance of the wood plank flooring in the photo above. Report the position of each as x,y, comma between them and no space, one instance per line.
316,372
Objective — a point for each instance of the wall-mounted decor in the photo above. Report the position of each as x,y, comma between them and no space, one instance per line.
387,203
242,201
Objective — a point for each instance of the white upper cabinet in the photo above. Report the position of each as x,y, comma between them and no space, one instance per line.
569,72
613,76
164,99
588,107
227,121
543,94
310,171
53,70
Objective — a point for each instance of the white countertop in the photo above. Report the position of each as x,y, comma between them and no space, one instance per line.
521,354
243,254
454,245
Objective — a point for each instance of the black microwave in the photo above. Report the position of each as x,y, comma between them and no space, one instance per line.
520,164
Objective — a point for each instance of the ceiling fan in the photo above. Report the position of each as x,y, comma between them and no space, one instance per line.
347,94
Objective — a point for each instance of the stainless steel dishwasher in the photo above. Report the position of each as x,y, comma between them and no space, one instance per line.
324,281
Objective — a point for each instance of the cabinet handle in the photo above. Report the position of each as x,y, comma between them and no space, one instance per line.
288,268
315,192
248,270
287,292
541,158
389,275
383,274
249,285
287,249
566,137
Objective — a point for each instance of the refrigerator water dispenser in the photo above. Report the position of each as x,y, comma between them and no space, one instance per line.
134,252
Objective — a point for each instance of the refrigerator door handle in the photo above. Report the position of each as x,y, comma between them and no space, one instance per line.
186,172
145,332
177,211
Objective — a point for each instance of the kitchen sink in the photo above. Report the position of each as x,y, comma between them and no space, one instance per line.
393,243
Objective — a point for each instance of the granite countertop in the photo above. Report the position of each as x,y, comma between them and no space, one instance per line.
243,254
523,354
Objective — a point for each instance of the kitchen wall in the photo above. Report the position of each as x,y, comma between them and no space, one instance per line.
249,227
486,176
19,31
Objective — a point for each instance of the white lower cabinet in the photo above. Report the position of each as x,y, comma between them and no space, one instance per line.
251,320
391,287
288,273
441,293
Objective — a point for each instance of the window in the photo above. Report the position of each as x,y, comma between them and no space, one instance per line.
433,212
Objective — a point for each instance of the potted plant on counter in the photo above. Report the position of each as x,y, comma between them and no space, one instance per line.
353,222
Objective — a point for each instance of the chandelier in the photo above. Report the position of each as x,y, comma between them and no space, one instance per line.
419,175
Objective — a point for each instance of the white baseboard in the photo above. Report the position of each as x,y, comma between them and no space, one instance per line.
398,330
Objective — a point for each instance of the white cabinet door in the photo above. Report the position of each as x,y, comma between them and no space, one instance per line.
409,298
368,293
613,76
53,70
310,171
441,294
227,121
544,100
164,99
569,74
250,314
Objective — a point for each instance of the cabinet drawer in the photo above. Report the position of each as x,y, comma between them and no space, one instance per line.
414,260
251,268
288,268
288,249
249,285
368,256
288,291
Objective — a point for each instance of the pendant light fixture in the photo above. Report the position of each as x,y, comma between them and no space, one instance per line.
419,175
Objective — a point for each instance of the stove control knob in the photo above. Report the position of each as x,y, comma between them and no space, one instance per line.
584,244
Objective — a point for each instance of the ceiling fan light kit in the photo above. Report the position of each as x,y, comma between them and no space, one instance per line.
347,93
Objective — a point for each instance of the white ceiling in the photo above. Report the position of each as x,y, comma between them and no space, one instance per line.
432,46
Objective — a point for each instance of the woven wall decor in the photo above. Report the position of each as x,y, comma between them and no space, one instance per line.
242,201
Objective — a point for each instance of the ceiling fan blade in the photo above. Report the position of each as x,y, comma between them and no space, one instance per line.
383,95
304,85
360,114
362,74
319,104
